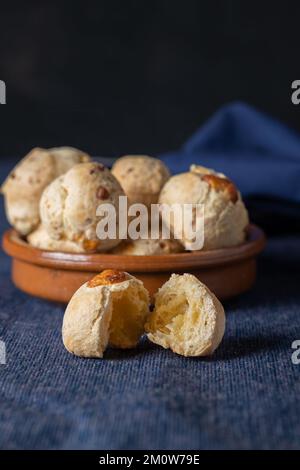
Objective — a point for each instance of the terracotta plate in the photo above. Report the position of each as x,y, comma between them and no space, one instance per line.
56,275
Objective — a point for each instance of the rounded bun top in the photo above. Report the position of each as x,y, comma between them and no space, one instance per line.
225,215
69,205
24,185
141,177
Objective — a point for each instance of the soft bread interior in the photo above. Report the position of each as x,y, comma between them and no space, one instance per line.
129,311
169,313
183,319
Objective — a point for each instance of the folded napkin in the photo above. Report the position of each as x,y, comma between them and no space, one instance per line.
261,155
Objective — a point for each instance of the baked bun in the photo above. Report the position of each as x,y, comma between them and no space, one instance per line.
24,186
187,317
40,238
109,310
225,215
68,205
141,177
148,247
66,157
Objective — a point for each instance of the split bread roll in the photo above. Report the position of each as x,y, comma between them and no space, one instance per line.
225,215
141,177
23,187
109,310
187,317
68,206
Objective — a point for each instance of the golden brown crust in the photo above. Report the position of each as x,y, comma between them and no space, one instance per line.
107,278
91,246
222,184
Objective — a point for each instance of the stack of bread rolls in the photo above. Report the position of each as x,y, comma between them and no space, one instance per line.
52,197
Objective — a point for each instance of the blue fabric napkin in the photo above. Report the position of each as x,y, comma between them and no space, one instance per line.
261,155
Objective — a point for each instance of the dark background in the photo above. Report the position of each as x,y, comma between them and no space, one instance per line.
113,77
